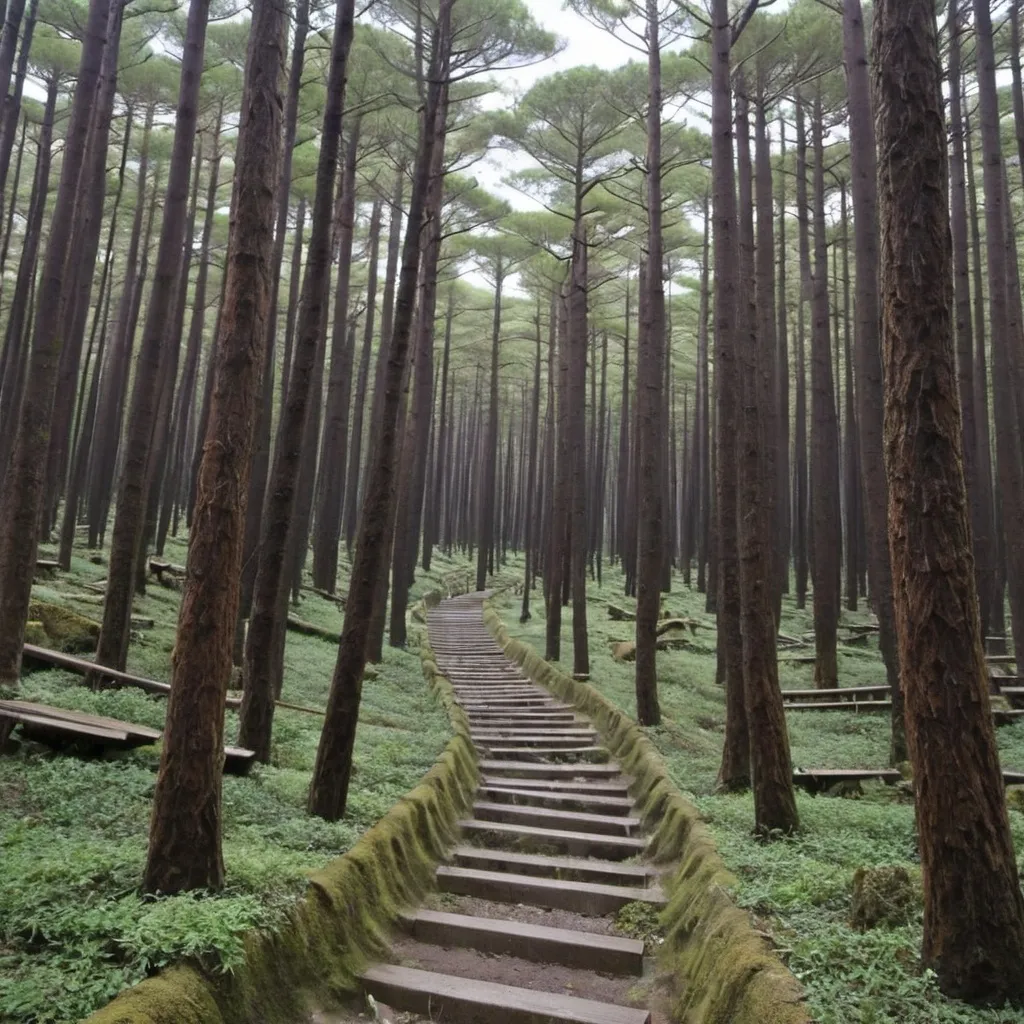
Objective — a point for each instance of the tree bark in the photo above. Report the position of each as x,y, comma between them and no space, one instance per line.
825,526
24,476
650,397
328,792
184,841
154,357
974,910
734,773
262,654
868,382
1008,444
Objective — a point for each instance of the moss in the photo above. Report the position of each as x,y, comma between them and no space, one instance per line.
723,971
345,920
882,896
63,629
35,633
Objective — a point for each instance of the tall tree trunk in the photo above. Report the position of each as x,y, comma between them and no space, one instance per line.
650,412
261,452
771,770
328,792
875,488
1008,443
184,840
801,502
825,526
782,374
362,378
432,509
577,440
974,910
333,445
485,519
735,770
262,654
154,358
24,476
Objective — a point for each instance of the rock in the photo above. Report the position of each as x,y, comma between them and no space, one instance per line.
882,896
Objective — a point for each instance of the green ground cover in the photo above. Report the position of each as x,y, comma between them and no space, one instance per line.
74,928
800,888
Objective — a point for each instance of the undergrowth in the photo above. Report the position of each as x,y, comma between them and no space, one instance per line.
798,889
74,928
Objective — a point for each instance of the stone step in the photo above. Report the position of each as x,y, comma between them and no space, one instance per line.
594,899
583,869
610,954
465,1001
522,770
575,821
578,844
548,798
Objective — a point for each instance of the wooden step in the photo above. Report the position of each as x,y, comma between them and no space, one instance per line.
551,740
609,770
594,899
579,844
610,954
858,693
618,788
589,753
523,732
505,720
584,869
575,821
465,1001
547,798
513,702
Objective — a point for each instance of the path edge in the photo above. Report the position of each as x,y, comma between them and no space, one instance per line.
723,970
344,921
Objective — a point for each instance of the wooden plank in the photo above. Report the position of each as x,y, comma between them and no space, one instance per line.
843,705
584,869
593,899
550,771
578,844
841,692
575,821
142,732
817,780
609,788
610,954
546,798
44,724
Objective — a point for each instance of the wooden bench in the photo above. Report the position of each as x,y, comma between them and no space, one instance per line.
49,724
869,692
47,565
841,705
817,780
159,568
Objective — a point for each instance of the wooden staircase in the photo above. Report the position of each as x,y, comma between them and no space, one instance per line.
524,933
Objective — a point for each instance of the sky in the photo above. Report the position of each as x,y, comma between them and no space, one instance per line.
584,44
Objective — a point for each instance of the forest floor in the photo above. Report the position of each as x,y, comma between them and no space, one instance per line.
799,888
74,928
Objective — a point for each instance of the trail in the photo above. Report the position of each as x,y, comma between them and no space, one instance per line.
525,930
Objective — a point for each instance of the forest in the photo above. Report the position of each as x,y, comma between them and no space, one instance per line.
689,332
